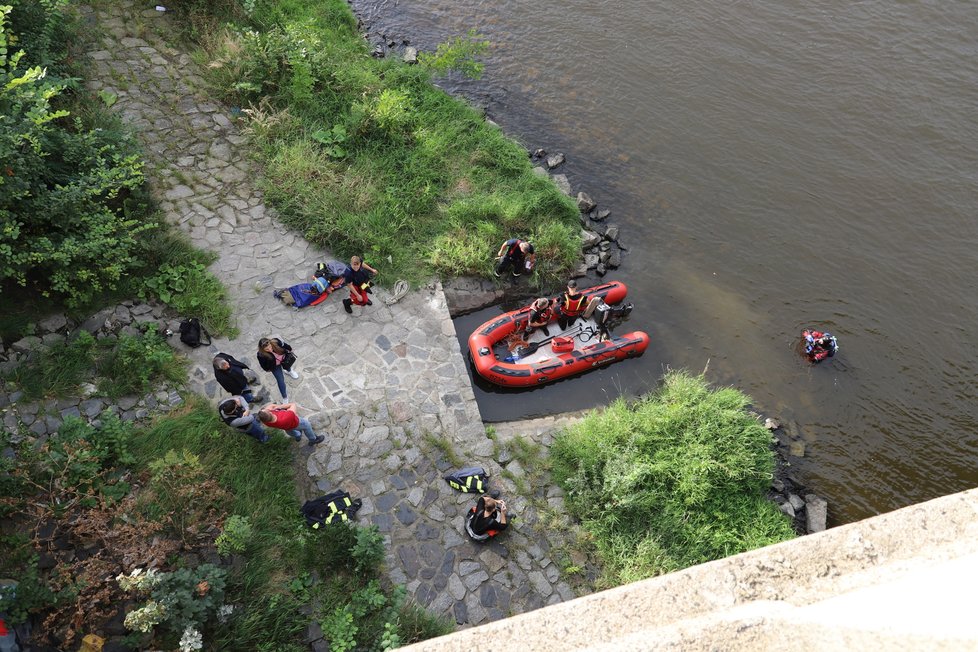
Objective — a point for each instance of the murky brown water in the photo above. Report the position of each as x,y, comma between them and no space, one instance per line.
773,164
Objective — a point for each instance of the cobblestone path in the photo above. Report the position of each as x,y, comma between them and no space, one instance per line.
386,384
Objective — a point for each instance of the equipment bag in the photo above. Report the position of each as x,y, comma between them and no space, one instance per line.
331,508
472,479
330,270
192,333
562,344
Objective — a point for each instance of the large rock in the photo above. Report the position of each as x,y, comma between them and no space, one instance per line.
816,512
97,321
26,344
53,324
555,160
589,239
563,183
584,202
611,233
411,55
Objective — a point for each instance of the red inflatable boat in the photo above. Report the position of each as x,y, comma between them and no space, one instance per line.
559,355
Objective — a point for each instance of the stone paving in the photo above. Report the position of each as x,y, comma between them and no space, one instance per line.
388,384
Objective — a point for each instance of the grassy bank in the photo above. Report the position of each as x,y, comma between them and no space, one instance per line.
215,514
673,480
79,228
366,155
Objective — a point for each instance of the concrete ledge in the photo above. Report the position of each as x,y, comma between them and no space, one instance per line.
900,581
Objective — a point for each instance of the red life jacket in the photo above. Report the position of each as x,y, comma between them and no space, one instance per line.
573,306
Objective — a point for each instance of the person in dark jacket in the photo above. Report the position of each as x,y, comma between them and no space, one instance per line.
358,276
236,413
516,254
234,376
276,357
487,519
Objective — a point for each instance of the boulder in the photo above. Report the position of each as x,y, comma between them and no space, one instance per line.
563,183
378,52
539,152
771,424
601,269
796,501
96,321
411,55
591,261
584,202
580,271
53,324
589,239
614,261
26,344
555,160
816,511
611,233
599,215
604,257
788,510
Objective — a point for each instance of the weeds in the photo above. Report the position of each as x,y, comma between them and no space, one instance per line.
445,447
679,478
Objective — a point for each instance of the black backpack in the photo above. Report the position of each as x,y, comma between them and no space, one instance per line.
331,508
192,332
472,479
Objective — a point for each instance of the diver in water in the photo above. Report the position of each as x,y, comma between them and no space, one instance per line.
819,345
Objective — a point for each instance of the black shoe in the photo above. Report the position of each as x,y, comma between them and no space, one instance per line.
317,440
368,290
517,274
346,306
369,302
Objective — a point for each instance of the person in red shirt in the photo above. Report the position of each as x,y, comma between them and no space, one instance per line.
284,417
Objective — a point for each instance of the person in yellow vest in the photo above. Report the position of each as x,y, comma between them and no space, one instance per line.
570,305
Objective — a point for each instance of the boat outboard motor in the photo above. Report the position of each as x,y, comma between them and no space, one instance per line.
610,317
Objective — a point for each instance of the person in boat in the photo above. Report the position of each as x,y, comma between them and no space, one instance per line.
488,518
541,312
570,305
516,254
329,278
819,345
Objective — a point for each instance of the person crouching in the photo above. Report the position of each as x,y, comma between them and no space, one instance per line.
487,519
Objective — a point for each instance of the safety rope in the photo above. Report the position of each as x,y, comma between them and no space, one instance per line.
400,290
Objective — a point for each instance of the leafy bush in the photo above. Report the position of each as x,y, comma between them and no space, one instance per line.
674,480
63,187
368,551
73,469
237,532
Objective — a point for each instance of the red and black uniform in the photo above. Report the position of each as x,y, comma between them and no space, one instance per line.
357,280
514,257
539,318
570,308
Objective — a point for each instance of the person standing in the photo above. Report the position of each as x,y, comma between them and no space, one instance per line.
518,254
236,413
284,417
570,305
234,376
358,276
276,357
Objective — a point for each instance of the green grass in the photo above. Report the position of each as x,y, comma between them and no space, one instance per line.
126,365
283,553
674,480
367,156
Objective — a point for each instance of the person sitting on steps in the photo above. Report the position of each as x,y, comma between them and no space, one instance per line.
518,254
540,315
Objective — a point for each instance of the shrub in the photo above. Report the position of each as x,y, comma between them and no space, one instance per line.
368,551
183,494
234,538
674,480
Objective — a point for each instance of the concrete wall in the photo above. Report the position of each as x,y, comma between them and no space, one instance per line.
901,581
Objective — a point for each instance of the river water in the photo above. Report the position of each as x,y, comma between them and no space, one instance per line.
773,164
